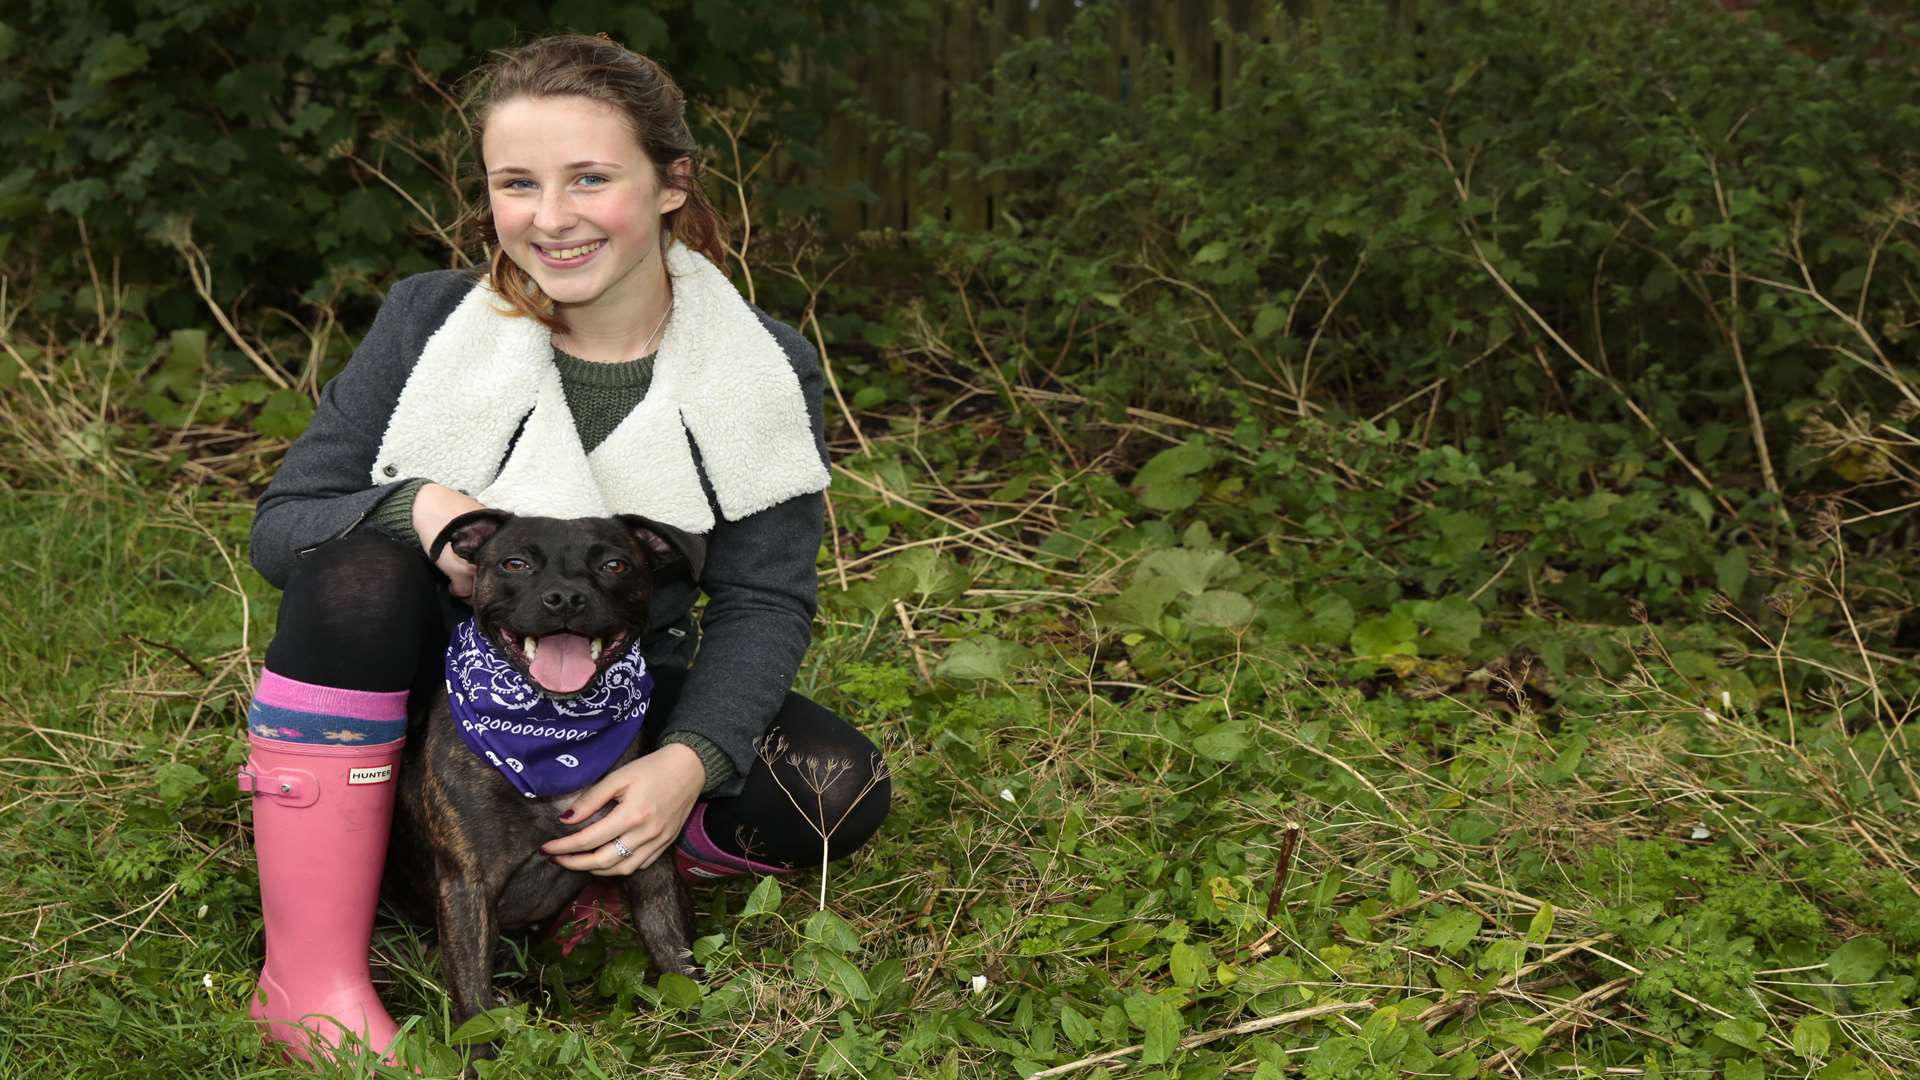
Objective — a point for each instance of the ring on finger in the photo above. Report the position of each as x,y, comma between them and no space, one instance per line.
622,849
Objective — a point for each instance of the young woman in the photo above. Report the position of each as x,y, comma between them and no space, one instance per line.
602,364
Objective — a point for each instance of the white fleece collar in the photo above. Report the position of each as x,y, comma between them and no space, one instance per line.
718,375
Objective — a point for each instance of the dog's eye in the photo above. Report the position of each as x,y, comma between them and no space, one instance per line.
515,565
615,566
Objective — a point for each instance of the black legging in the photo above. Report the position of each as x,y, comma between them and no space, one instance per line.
367,612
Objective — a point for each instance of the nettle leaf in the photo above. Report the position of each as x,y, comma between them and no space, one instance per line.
177,781
1219,607
1745,1034
490,1025
982,657
1812,1036
1223,744
1730,571
76,196
933,574
679,991
117,56
1166,481
1200,538
831,932
764,898
1332,618
1188,965
1189,569
1212,253
1701,505
1472,828
1504,955
1385,635
283,414
1452,930
1553,217
1160,1022
1515,1033
1540,927
1858,960
1449,625
837,973
1402,886
1078,1029
1141,604
1462,534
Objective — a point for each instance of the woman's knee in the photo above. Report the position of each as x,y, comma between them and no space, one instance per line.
355,609
828,765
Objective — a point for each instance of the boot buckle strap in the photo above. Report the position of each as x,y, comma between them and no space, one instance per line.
293,787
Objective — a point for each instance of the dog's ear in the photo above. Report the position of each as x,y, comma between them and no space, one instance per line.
468,532
666,545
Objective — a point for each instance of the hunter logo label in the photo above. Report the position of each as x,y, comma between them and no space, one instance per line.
370,776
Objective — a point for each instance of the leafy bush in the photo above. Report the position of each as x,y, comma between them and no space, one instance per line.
1614,214
1557,309
307,146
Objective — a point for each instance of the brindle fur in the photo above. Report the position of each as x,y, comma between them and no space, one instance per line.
465,853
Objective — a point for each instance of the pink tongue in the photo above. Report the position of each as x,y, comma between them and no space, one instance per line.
561,663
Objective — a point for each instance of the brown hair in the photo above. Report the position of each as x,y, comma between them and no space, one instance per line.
576,65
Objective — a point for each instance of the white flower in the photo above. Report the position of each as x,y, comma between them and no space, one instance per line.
979,984
1006,794
202,913
207,980
1726,701
1700,832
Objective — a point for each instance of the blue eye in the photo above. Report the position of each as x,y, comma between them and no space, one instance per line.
512,185
593,176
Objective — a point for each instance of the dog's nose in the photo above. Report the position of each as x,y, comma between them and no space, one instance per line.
563,601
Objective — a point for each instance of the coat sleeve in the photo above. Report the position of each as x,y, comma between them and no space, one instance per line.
324,487
762,589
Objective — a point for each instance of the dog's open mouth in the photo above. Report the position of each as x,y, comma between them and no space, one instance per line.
562,662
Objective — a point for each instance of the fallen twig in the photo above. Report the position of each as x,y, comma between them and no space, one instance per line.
1283,867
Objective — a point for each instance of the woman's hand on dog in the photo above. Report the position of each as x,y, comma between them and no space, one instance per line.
653,796
434,506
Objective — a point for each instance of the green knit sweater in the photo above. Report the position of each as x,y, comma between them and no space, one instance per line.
599,396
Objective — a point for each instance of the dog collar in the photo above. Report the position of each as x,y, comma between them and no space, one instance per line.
544,746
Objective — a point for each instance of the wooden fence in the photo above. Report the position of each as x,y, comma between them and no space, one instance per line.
912,83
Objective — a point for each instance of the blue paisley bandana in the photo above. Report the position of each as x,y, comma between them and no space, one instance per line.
546,747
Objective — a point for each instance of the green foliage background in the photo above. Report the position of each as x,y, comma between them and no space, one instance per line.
294,136
1407,572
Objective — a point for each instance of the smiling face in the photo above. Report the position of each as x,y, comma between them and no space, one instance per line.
576,203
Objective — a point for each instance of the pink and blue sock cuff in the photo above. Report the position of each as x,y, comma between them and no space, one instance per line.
288,710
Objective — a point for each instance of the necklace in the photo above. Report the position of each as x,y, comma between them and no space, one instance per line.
646,347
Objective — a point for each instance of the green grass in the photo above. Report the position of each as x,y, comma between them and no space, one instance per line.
1637,866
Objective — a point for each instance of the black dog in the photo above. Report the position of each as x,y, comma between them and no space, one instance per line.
466,841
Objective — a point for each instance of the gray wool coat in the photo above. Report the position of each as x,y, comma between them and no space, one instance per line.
759,576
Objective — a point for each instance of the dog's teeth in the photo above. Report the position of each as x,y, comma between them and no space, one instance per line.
593,651
532,645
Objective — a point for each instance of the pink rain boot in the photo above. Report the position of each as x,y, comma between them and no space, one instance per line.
321,814
698,858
